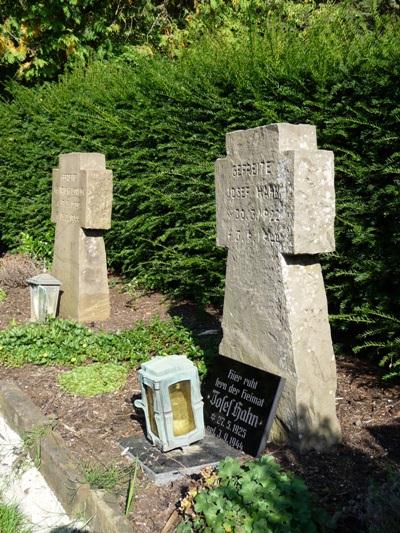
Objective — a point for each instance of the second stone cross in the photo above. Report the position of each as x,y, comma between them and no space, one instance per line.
81,210
275,212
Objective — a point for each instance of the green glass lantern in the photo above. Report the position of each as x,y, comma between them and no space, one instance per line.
171,401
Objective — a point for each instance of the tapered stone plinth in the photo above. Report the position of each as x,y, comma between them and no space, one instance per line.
81,209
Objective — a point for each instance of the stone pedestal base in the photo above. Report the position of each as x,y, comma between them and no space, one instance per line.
80,264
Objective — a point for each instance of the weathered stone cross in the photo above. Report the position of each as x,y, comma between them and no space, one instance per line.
275,211
81,209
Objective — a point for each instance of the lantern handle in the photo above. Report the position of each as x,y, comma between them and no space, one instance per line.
139,404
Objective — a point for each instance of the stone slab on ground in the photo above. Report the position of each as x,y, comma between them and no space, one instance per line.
58,467
165,467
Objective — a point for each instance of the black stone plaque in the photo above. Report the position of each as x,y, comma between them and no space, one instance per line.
240,402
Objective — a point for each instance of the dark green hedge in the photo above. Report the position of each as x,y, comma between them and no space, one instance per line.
162,123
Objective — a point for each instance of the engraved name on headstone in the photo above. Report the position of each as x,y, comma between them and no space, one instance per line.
240,403
275,212
81,210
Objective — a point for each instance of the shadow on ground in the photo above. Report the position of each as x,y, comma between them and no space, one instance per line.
204,325
342,476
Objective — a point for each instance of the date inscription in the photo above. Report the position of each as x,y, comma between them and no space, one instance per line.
254,205
238,403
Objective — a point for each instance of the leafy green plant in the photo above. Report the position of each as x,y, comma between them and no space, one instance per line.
34,48
54,342
11,519
97,378
162,124
257,496
65,342
39,248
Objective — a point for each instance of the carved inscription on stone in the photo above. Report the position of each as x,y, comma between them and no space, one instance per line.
84,198
67,197
254,204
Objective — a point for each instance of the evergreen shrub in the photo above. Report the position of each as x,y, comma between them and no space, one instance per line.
162,123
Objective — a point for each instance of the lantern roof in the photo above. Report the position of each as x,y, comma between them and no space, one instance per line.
44,279
162,365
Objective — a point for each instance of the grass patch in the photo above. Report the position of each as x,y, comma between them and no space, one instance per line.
3,295
11,519
90,380
32,444
105,477
64,342
111,478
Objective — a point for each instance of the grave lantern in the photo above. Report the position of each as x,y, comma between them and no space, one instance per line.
171,401
45,290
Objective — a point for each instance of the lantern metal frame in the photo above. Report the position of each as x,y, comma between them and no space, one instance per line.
157,376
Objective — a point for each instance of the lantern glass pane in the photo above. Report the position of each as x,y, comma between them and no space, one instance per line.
181,402
150,406
52,300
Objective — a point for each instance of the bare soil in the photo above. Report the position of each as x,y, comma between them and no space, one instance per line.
368,410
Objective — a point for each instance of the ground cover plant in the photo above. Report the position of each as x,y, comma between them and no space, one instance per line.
255,497
65,342
97,378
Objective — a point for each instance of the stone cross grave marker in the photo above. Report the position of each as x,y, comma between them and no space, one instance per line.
81,210
275,212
